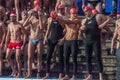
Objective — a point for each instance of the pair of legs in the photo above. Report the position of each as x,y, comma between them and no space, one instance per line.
10,61
70,46
50,49
60,49
25,59
31,51
95,46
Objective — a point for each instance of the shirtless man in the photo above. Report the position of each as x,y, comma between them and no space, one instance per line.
15,30
35,41
2,39
68,5
116,38
92,26
72,26
95,4
24,17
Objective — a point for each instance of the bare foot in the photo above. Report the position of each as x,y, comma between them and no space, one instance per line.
24,73
66,77
46,76
33,66
60,76
28,76
18,75
73,77
13,74
52,65
89,77
38,75
100,76
101,79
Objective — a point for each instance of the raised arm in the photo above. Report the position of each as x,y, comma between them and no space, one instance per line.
17,8
58,2
27,20
40,20
83,4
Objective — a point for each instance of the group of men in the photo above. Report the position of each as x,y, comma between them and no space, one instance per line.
60,33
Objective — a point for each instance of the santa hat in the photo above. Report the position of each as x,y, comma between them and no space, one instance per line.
12,13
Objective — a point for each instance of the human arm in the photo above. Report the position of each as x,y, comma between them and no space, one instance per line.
108,32
17,8
28,20
82,29
105,20
48,30
67,21
7,36
4,34
40,19
115,36
24,35
56,6
83,4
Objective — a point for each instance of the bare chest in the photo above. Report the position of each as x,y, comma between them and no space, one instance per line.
15,29
35,26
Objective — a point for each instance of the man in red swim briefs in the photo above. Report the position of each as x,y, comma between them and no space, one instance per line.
14,33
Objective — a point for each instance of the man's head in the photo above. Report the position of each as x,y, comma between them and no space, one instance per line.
24,14
61,9
53,14
12,16
73,12
87,11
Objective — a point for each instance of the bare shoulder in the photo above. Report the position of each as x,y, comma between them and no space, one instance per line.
99,15
19,24
20,21
9,25
1,23
84,21
49,19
